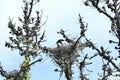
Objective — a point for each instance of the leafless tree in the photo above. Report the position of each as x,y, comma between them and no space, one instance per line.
27,39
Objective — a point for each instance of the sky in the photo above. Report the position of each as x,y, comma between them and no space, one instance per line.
60,14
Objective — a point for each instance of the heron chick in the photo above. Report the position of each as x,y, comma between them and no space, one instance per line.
66,54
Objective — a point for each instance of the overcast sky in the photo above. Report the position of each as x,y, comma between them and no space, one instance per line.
62,14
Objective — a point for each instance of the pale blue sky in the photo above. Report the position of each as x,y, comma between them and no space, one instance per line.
61,14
